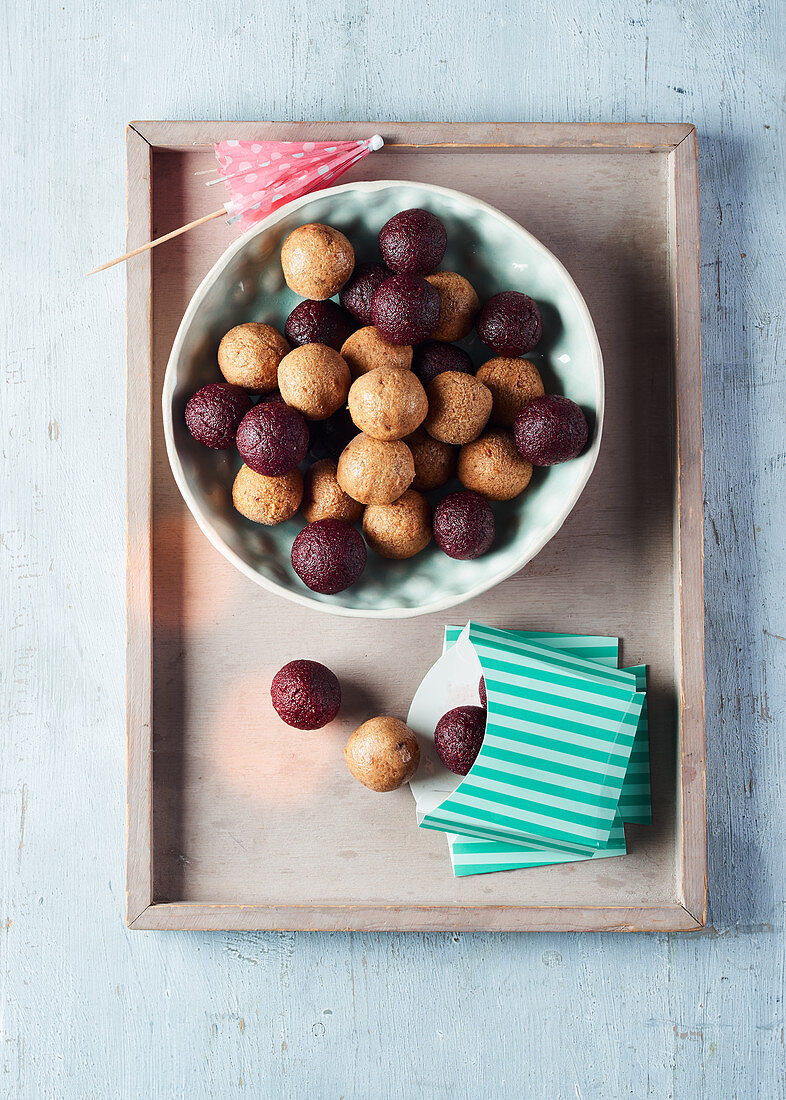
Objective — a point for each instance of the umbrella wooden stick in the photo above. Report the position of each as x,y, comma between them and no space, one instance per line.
222,213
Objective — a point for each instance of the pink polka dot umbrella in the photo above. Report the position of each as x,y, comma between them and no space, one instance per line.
262,176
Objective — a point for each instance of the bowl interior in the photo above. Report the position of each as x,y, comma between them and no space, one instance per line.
247,285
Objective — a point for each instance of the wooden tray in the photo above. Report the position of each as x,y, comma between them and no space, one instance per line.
236,822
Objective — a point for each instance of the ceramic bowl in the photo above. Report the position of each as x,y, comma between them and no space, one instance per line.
246,284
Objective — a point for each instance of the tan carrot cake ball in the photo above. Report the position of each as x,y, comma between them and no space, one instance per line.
315,380
458,407
317,261
401,529
435,462
387,403
375,471
367,349
323,497
513,384
249,355
492,466
382,754
268,500
458,305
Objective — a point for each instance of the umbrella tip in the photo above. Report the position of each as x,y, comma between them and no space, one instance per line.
375,143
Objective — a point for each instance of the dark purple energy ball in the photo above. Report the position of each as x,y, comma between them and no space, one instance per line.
318,323
550,429
510,323
434,357
464,525
405,309
272,438
356,294
413,242
329,556
336,432
458,737
214,413
305,695
484,702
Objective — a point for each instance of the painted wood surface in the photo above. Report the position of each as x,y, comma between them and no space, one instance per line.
92,1010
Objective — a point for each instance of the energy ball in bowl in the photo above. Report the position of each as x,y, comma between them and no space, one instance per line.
367,349
249,354
318,323
336,432
458,305
329,556
317,260
387,403
401,529
267,500
432,358
459,406
458,737
464,525
435,462
493,467
375,471
510,323
272,438
382,754
315,380
405,309
214,413
323,497
306,695
550,429
413,242
356,294
513,384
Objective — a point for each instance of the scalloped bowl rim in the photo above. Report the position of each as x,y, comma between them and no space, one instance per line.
203,519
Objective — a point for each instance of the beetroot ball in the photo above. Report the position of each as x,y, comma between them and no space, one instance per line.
318,323
434,357
329,556
413,242
214,412
336,432
305,695
458,737
356,294
510,323
464,525
484,702
405,309
272,439
550,429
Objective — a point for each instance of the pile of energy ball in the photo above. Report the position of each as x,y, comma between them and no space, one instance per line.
377,395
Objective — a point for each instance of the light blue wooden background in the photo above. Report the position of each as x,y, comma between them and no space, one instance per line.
91,1010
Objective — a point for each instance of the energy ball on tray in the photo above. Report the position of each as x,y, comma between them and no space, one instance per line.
493,467
315,380
356,294
550,429
214,413
413,242
435,462
272,438
306,695
432,358
367,349
267,500
458,407
382,754
318,323
249,354
317,260
401,529
375,471
510,323
387,403
405,309
513,384
323,497
458,305
458,737
329,556
464,525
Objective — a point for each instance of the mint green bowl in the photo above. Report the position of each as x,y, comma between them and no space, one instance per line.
246,284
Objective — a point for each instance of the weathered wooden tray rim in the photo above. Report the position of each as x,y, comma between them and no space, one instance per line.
688,910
